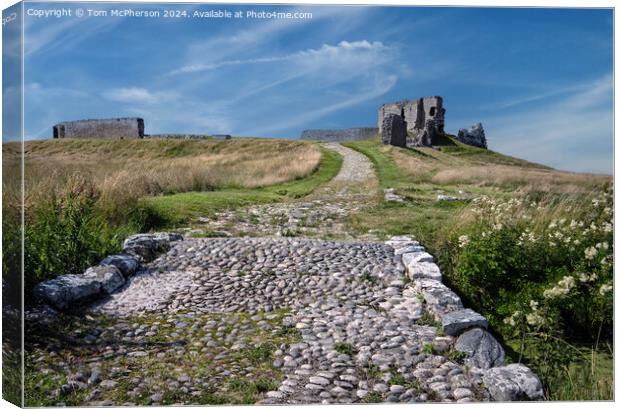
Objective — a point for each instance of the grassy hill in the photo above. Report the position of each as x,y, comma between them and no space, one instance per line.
83,197
420,175
529,247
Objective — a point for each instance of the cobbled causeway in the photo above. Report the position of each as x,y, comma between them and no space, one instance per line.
346,322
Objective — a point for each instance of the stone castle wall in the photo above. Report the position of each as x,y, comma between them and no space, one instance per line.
338,135
423,117
115,128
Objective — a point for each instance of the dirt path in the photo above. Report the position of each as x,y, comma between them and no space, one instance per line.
322,214
356,168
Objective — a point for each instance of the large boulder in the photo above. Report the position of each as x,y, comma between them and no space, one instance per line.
457,321
109,277
64,291
127,264
146,247
473,136
482,349
512,383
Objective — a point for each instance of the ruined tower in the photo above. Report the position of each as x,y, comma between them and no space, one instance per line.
423,117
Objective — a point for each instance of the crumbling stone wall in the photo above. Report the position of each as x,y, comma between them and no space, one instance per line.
423,118
338,135
394,131
114,128
473,136
186,136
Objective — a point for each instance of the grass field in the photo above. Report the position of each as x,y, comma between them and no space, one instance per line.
527,246
421,174
181,209
83,197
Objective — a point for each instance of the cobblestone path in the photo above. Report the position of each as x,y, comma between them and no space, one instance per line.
273,319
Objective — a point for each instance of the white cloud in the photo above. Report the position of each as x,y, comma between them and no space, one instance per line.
129,95
231,43
135,95
325,54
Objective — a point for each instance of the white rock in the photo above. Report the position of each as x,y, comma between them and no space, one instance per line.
424,270
513,382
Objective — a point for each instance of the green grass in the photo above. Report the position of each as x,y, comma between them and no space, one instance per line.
420,174
345,348
422,215
180,209
45,374
589,377
389,174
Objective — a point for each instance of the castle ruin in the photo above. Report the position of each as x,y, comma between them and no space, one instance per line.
115,128
338,135
423,119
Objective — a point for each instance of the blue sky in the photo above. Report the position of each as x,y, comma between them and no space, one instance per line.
540,80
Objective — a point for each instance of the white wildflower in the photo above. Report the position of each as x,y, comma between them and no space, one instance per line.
562,288
605,288
463,241
512,319
590,253
602,245
534,319
567,282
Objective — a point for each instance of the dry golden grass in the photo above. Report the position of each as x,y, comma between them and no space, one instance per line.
521,179
440,168
124,170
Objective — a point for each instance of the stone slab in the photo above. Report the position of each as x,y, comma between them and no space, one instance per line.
457,321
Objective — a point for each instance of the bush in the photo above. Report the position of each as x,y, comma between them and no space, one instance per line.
541,271
64,234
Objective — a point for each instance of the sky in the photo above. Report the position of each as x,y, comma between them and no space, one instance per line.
540,80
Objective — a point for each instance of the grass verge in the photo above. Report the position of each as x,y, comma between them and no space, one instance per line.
178,210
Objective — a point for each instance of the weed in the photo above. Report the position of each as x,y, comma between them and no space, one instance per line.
397,379
345,348
457,356
259,353
372,397
428,348
372,371
368,277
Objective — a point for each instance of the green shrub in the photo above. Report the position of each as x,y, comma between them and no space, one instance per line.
65,234
540,271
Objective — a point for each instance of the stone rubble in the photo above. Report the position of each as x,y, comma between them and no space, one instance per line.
71,290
